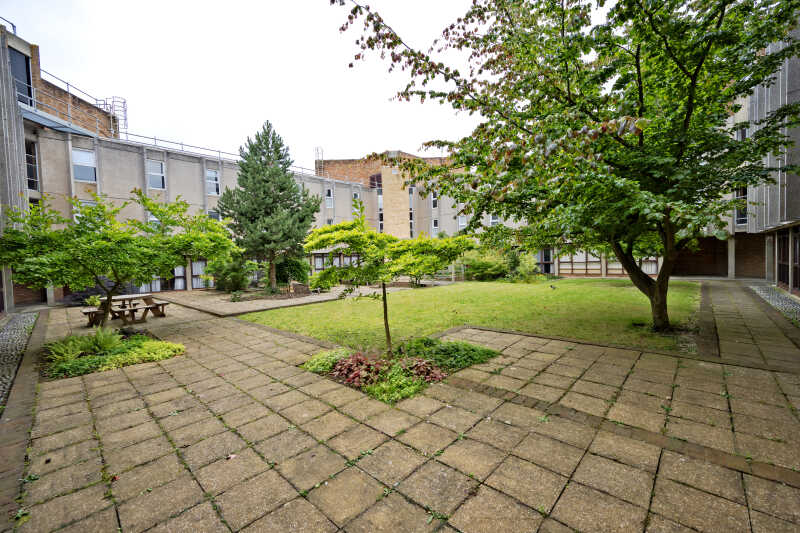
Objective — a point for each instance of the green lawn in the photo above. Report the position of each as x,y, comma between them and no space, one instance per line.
600,310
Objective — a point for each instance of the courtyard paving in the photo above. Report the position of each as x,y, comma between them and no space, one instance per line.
551,436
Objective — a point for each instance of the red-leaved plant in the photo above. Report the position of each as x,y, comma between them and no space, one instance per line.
424,370
358,370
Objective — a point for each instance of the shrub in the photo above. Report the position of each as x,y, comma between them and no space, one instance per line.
485,265
93,300
292,269
450,356
323,362
104,350
231,273
528,266
395,384
358,370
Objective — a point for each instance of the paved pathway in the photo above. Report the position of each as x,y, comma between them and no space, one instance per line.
750,332
233,436
220,304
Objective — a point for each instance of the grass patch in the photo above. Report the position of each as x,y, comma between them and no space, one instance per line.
597,310
104,350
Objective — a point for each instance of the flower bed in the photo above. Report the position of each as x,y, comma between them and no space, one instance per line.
393,378
105,349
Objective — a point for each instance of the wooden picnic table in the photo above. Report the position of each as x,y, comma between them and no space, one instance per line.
129,306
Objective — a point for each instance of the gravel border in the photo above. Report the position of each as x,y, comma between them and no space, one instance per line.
788,307
13,339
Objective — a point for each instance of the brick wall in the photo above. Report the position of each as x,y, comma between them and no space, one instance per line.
23,295
711,259
750,255
56,101
359,170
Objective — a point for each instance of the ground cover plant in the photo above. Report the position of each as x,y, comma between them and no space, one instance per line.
392,377
597,310
104,350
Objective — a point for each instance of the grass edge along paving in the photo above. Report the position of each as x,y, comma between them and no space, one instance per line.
605,311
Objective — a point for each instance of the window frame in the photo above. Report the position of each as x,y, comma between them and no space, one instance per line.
162,174
434,200
740,215
464,225
214,181
328,197
215,212
494,220
32,165
74,164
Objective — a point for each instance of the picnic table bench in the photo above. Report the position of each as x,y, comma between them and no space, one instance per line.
125,307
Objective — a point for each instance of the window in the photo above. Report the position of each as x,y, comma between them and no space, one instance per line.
435,227
75,215
356,196
741,212
329,222
151,217
329,198
346,260
380,199
380,222
462,222
155,174
319,262
33,202
31,166
212,182
198,269
411,229
213,214
84,167
434,200
21,72
741,133
336,260
411,197
494,220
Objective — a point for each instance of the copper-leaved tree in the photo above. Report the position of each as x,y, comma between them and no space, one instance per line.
615,134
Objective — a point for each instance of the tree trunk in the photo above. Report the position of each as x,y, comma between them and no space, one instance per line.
386,320
106,307
273,280
654,289
658,307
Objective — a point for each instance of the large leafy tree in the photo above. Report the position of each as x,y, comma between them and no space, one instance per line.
271,214
615,135
98,249
381,257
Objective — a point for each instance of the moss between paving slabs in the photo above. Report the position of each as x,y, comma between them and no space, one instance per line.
610,311
391,378
104,350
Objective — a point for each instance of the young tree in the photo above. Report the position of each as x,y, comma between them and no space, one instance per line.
98,249
617,134
381,257
271,214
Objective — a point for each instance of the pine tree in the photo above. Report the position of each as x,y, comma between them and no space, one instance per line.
271,214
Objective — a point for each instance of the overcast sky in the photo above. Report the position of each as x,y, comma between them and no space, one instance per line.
210,73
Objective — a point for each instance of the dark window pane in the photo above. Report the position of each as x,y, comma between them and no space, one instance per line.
83,173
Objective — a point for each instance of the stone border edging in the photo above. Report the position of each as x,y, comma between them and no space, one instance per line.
16,421
697,451
707,337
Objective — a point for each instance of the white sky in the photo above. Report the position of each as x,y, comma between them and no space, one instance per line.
209,73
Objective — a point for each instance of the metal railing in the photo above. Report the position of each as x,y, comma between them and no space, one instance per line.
66,108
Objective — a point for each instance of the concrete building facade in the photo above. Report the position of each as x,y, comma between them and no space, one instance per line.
59,143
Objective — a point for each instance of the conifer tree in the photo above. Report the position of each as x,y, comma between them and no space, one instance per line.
271,214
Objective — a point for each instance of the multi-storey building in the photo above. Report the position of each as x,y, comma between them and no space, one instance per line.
61,143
